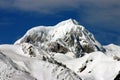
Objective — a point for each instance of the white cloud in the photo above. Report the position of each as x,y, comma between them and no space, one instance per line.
41,6
93,11
59,5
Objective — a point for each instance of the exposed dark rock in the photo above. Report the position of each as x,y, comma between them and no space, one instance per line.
88,49
117,77
58,48
82,68
116,58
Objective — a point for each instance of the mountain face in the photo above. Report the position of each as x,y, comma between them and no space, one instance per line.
67,36
66,51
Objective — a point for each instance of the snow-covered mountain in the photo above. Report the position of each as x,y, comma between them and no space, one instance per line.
66,36
66,51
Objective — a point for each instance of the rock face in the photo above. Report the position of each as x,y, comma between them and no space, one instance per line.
66,36
117,77
56,47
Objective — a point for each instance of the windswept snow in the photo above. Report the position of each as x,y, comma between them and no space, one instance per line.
66,51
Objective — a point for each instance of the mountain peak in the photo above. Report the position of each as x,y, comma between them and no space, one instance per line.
66,36
69,21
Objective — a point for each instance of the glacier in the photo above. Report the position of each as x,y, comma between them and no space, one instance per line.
65,51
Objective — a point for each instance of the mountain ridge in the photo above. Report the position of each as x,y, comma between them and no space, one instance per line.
65,51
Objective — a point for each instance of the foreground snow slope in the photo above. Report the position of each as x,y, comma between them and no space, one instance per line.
9,70
42,67
66,51
95,66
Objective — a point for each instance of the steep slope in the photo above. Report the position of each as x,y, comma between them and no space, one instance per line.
42,67
66,36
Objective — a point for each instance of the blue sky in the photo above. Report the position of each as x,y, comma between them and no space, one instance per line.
101,17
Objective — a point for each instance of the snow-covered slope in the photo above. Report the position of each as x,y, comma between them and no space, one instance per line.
66,51
95,66
112,50
42,67
9,70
